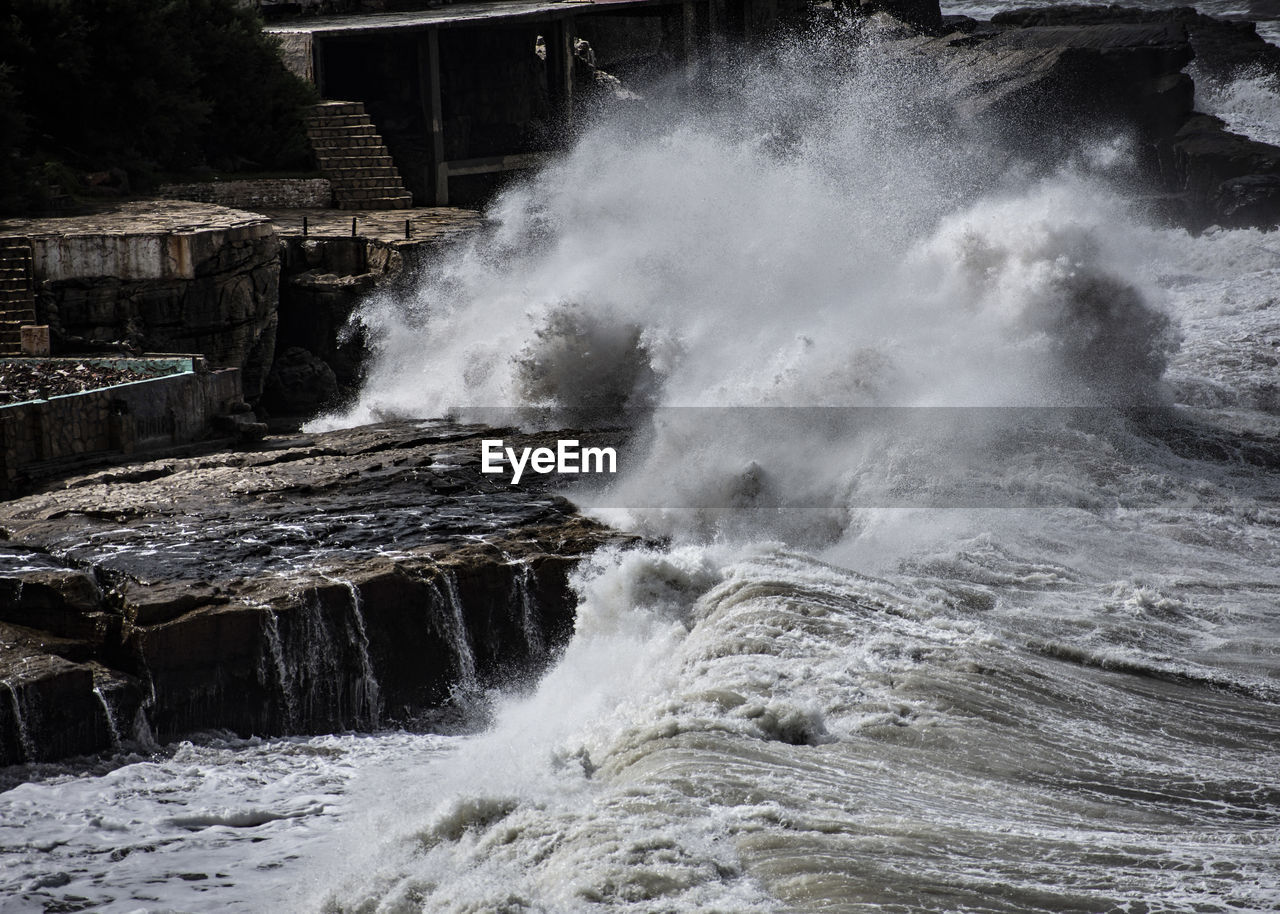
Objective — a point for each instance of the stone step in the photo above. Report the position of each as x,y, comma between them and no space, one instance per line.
334,121
357,146
347,165
370,188
361,143
338,108
323,134
361,159
354,158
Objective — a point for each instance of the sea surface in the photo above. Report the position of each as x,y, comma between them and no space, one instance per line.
965,592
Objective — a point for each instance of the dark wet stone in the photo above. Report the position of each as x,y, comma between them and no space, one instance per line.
309,585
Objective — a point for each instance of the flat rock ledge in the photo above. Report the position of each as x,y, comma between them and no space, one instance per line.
346,580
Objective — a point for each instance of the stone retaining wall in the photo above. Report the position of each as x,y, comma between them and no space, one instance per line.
279,193
141,415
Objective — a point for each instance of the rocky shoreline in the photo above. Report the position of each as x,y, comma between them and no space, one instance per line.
345,580
1049,78
355,579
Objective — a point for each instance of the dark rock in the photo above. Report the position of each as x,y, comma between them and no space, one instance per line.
321,583
300,384
48,708
1222,48
925,15
241,426
316,304
64,602
1251,200
1229,178
1048,75
148,604
1043,87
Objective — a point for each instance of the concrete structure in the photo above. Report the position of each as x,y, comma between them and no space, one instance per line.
351,155
159,276
479,88
35,340
142,240
39,436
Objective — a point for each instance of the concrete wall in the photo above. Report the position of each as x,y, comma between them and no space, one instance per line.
138,253
138,416
296,51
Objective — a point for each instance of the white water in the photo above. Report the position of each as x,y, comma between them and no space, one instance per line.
822,695
1248,103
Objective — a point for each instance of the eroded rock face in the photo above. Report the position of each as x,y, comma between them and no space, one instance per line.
331,582
1222,178
1046,79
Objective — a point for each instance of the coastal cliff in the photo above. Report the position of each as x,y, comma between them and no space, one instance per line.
338,581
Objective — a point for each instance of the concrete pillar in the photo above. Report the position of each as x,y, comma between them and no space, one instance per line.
559,41
437,177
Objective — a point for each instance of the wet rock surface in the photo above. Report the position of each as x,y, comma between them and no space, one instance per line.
327,582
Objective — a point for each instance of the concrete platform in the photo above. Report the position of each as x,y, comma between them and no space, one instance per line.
427,223
135,240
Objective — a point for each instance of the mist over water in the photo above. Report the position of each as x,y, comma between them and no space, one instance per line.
811,693
828,232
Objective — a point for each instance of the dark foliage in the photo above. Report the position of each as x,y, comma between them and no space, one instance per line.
146,86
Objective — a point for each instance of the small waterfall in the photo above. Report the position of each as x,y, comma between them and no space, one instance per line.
283,678
141,731
20,721
368,692
318,669
527,604
112,728
456,631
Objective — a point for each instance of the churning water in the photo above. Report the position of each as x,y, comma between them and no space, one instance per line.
1011,644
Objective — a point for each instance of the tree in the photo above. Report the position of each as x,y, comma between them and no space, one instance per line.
148,85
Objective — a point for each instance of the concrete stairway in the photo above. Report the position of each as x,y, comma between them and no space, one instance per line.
17,299
353,158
